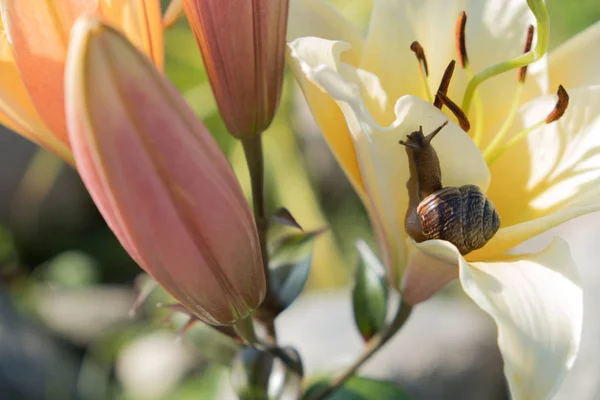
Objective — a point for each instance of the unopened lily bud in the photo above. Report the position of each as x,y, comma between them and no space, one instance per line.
243,46
159,179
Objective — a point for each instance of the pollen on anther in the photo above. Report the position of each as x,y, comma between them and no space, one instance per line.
420,53
561,105
461,45
444,84
526,49
460,115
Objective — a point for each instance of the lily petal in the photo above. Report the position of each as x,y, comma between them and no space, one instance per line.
536,301
307,54
141,21
16,109
39,34
537,304
137,166
572,64
535,190
318,19
511,236
495,32
431,265
172,14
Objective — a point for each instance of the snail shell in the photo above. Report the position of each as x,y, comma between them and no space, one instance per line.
462,216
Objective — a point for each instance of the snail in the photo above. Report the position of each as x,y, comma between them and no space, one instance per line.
463,216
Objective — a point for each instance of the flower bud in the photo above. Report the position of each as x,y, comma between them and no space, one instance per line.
243,46
34,46
159,179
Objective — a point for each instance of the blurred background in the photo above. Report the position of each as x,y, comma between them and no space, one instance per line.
67,287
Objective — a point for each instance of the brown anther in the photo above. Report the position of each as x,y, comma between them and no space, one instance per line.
526,49
461,45
463,121
561,105
420,53
444,84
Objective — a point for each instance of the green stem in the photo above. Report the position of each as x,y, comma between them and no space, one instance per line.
373,345
254,158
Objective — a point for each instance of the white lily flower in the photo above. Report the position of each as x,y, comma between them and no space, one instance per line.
539,170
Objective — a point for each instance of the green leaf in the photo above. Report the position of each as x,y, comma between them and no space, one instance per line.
292,248
290,266
370,293
359,388
288,281
283,216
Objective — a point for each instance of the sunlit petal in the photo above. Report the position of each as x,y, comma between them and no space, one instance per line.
575,63
39,34
537,303
557,167
508,237
535,300
16,109
307,54
141,21
318,19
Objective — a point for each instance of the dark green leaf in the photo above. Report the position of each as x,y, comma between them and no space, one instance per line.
294,247
358,388
288,281
284,217
290,263
370,293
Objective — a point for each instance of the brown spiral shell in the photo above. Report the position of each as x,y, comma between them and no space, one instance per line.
462,216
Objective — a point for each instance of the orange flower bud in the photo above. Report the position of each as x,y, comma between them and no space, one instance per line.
243,46
159,179
33,47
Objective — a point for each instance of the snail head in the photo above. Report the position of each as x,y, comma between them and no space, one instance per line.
418,142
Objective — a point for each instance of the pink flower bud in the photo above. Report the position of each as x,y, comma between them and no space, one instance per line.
243,46
158,177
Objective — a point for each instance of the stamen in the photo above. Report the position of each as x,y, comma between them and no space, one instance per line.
561,105
526,49
420,54
543,22
461,45
557,112
463,121
444,84
463,59
508,121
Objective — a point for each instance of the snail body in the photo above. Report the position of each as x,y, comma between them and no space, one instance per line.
463,216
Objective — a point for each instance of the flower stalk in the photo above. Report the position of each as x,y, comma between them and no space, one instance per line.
372,347
253,151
